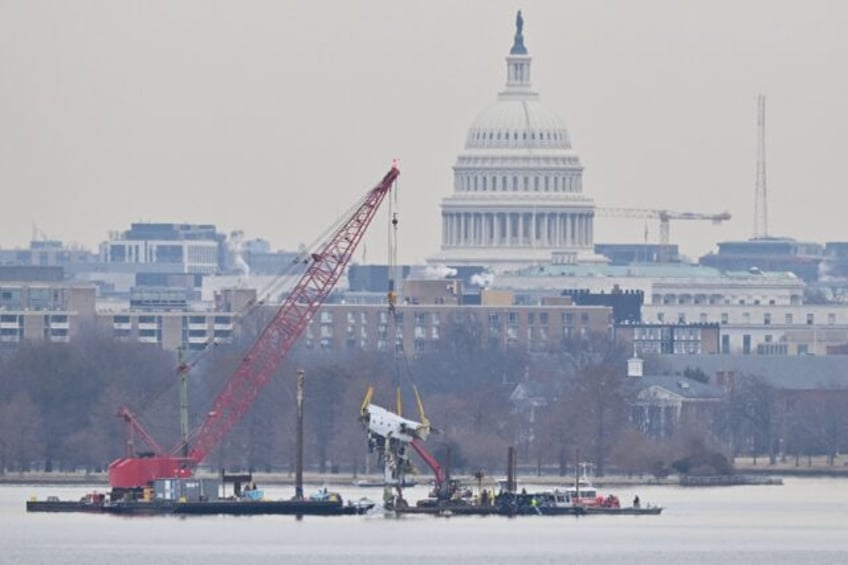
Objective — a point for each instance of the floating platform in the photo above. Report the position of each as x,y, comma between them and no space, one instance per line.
227,507
241,507
503,505
728,480
625,511
64,506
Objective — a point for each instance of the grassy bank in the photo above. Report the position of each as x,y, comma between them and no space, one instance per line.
789,466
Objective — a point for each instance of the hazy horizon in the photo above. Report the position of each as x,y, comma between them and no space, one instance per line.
274,117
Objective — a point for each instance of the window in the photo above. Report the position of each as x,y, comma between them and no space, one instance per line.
724,317
766,319
831,318
788,319
811,319
725,344
746,344
493,320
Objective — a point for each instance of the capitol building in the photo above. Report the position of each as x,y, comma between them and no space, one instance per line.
518,185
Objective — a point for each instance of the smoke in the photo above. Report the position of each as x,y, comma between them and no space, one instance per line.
437,272
237,251
483,280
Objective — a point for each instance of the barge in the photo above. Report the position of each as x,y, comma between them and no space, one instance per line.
201,497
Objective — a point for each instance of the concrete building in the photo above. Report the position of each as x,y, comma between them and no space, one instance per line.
537,328
44,311
768,254
669,339
518,184
660,284
168,248
49,252
764,329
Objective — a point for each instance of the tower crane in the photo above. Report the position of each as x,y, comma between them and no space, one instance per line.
665,217
325,266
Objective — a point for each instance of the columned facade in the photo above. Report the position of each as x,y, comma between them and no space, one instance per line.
518,184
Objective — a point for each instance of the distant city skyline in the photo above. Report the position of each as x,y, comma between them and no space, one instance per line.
274,118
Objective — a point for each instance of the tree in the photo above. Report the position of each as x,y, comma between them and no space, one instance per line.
749,419
21,434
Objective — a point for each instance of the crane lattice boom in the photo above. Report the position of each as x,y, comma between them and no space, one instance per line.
278,337
266,354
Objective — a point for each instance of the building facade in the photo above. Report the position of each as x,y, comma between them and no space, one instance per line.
44,311
180,248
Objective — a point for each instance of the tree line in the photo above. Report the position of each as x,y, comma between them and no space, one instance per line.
58,406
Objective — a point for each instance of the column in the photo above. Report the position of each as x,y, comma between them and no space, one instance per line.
558,231
521,229
454,229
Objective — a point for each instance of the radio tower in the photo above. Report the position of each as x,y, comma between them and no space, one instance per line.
760,193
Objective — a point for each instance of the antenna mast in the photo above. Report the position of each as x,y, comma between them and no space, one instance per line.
760,192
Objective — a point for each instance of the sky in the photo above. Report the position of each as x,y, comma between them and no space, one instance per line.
274,117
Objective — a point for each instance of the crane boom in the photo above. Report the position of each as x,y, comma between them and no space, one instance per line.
266,354
664,216
278,337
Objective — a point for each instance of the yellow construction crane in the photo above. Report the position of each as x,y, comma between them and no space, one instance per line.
665,217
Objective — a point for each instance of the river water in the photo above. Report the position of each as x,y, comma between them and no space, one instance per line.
804,521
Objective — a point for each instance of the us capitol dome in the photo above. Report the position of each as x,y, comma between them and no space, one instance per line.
518,184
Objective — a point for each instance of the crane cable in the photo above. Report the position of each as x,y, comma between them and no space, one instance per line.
280,284
402,367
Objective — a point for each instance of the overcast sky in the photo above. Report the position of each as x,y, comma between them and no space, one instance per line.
274,117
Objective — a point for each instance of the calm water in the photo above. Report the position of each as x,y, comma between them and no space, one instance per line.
805,521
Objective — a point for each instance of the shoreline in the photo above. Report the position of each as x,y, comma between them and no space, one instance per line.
782,469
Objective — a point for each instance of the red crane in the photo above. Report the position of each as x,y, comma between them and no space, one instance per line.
263,358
